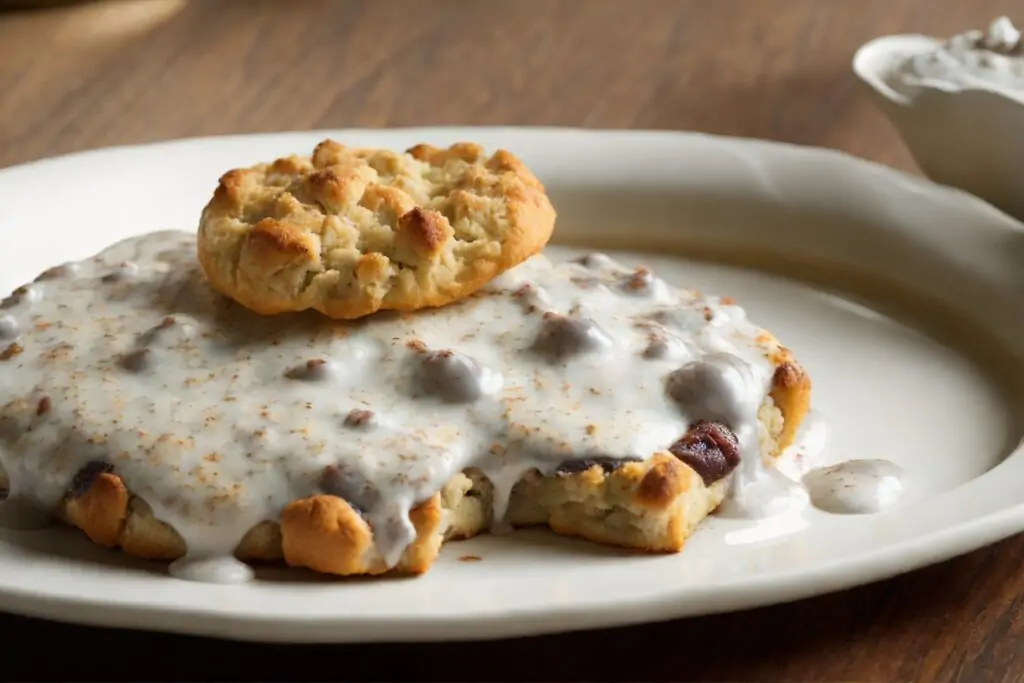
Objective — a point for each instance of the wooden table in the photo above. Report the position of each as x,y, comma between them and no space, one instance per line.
132,71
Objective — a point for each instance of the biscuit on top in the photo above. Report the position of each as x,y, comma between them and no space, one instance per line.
350,231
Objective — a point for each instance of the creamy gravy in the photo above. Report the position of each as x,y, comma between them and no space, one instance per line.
218,418
991,58
855,487
215,569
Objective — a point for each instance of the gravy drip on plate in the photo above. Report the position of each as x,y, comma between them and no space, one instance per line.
218,418
855,487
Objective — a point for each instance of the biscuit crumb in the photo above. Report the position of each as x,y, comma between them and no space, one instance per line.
11,351
470,558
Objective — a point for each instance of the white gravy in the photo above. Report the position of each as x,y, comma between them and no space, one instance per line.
993,58
855,487
218,418
215,569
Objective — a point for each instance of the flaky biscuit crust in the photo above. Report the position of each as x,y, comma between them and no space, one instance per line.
350,231
651,506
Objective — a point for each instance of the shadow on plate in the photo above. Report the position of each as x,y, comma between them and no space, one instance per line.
532,540
71,546
1016,248
484,550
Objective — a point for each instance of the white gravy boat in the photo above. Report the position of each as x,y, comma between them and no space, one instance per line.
966,136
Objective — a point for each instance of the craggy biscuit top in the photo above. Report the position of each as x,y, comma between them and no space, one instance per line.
350,231
218,417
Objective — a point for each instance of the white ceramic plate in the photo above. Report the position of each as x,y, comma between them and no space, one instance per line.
886,389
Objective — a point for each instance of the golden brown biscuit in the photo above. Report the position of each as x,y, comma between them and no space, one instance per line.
350,231
653,506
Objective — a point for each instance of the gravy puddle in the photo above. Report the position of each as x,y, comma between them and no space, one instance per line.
855,487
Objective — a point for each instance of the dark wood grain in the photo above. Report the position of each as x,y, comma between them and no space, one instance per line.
133,71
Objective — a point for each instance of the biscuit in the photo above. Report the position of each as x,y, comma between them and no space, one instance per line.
651,506
350,231
146,409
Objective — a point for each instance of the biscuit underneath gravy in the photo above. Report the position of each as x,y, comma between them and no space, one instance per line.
162,418
351,231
